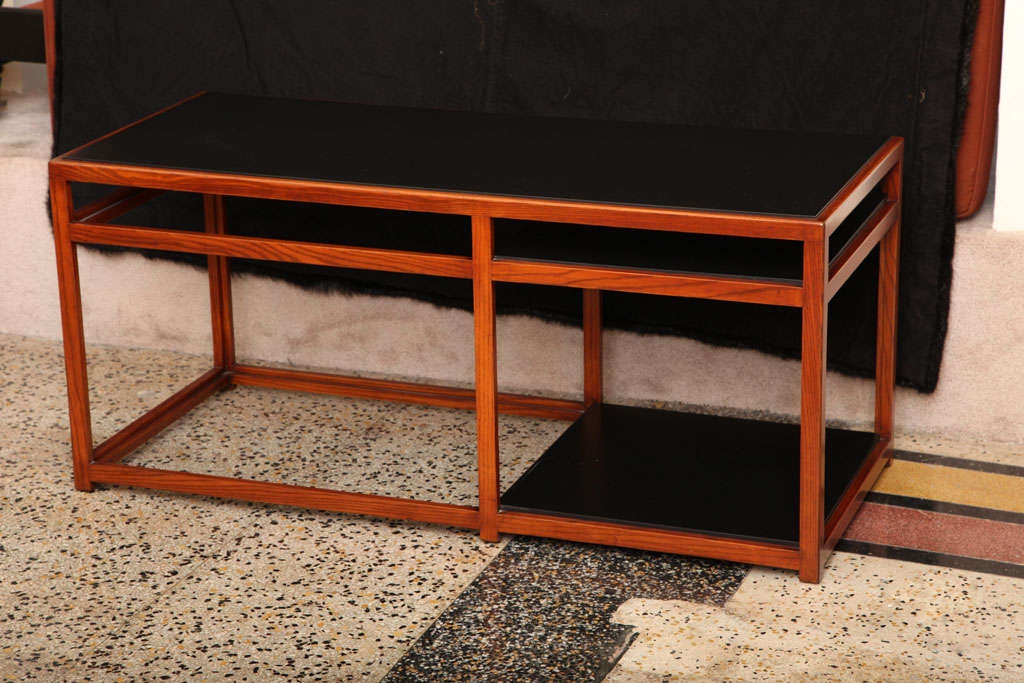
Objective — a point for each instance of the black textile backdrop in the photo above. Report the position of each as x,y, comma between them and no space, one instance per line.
845,66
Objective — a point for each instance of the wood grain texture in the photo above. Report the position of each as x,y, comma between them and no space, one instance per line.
402,392
273,250
286,494
812,411
592,363
404,199
485,340
646,538
156,419
219,274
73,333
773,292
888,297
854,191
860,245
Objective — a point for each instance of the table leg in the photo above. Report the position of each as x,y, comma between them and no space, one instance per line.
592,389
888,290
220,287
812,409
74,334
486,375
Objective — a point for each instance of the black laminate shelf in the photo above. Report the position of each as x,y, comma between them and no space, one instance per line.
683,471
659,165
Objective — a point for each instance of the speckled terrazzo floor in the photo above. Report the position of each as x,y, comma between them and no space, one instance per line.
131,584
541,612
124,584
870,619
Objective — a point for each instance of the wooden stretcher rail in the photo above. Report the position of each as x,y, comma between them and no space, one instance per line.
773,292
404,392
286,494
272,250
113,205
880,456
156,419
853,193
149,425
646,538
860,245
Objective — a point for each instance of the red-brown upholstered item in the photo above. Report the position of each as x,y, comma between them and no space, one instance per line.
974,159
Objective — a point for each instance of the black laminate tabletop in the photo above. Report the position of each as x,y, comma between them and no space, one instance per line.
627,163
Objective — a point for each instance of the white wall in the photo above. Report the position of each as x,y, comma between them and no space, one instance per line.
1009,208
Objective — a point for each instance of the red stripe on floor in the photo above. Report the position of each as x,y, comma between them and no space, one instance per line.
938,532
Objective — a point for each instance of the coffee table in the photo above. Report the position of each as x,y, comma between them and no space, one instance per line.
759,217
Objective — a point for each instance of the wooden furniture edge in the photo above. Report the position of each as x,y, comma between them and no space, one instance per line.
314,253
486,375
285,494
814,333
647,538
404,392
751,290
876,461
113,205
860,245
772,292
218,271
150,423
867,178
431,201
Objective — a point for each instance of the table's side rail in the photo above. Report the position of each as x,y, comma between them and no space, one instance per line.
90,225
860,245
694,285
235,246
871,174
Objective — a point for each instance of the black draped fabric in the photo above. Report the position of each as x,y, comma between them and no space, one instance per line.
837,66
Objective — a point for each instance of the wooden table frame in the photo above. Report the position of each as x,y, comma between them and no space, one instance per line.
822,278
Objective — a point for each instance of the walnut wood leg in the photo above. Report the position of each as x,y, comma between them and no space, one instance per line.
592,390
220,288
486,375
74,334
812,410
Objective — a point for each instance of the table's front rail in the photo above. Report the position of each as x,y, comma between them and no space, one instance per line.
92,224
406,199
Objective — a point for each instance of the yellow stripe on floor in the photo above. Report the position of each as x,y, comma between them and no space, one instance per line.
953,485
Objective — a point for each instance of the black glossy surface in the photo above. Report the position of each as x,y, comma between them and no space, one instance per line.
717,475
644,164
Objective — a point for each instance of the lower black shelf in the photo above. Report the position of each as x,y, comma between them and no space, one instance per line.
689,472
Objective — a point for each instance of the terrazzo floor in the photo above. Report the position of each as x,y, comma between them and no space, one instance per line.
126,584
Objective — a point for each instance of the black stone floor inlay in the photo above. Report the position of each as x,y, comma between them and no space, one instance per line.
542,611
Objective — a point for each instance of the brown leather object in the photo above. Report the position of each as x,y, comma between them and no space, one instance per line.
974,159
